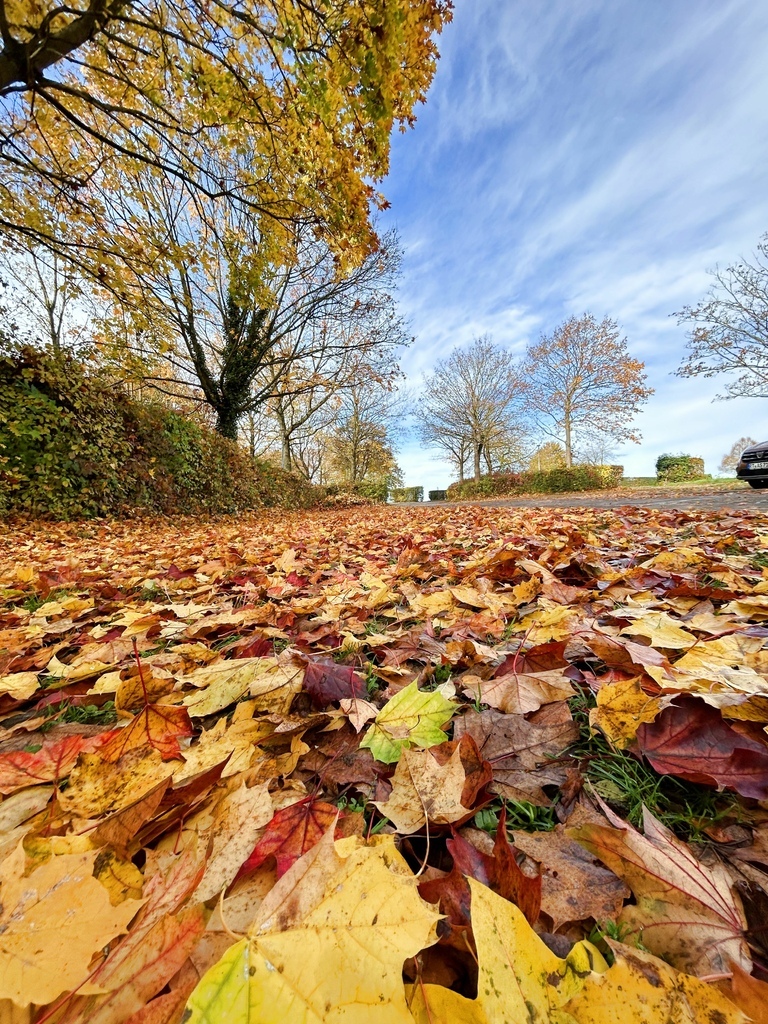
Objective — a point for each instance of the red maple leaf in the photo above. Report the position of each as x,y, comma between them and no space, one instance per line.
291,832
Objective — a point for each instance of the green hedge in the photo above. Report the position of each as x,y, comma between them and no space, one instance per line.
438,495
73,444
407,494
372,490
676,468
553,481
575,478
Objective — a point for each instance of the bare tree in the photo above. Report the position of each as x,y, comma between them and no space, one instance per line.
45,293
470,405
362,442
731,457
582,381
729,328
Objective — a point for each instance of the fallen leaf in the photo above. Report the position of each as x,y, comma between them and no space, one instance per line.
500,870
51,924
412,717
19,685
425,791
51,763
517,693
519,978
326,682
98,786
160,726
686,912
749,994
648,991
521,751
574,886
359,712
328,943
691,740
239,819
291,832
622,708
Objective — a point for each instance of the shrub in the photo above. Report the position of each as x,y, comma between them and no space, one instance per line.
553,481
438,495
73,444
574,478
407,494
374,490
676,468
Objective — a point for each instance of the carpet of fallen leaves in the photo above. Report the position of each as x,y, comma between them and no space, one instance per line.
386,765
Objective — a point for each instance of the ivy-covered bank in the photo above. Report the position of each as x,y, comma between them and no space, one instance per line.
73,444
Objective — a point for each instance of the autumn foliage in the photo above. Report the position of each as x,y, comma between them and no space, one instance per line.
383,765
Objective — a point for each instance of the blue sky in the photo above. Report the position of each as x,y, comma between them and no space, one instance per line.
581,155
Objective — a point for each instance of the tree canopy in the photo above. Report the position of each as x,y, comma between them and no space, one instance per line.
284,106
469,406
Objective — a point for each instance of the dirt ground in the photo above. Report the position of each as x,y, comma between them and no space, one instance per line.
695,498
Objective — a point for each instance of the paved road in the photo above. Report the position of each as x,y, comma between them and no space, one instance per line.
701,499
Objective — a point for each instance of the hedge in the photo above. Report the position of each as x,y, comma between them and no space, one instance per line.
73,444
553,481
676,468
407,494
438,495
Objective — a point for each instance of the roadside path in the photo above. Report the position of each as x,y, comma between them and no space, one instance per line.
704,499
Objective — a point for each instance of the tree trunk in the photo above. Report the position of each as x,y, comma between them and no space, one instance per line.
478,448
226,422
461,470
568,452
285,441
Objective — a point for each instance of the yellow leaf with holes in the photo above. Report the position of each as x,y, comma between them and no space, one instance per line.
121,878
622,708
641,989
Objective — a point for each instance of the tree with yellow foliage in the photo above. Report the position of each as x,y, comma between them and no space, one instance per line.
283,106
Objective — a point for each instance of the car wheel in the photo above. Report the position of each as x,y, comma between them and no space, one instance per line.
758,484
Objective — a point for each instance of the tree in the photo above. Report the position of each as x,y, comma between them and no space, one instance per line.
731,458
242,328
469,405
361,445
582,381
729,328
304,92
549,456
45,291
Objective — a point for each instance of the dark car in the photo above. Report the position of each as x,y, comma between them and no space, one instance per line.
753,465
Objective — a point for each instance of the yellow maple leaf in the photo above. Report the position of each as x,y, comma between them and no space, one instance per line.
649,991
328,943
51,924
519,978
622,708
